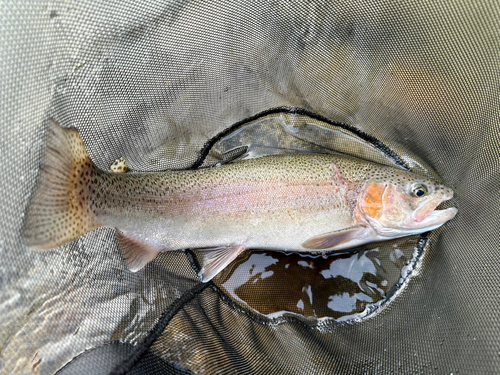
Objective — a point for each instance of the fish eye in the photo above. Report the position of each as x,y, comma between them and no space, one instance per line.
419,190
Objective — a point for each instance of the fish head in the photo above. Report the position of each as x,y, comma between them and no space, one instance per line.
403,204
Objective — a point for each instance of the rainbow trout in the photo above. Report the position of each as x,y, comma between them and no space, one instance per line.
298,203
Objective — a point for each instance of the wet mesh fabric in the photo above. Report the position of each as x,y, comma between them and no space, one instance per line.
184,84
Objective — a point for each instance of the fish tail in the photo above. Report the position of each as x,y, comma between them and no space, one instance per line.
59,210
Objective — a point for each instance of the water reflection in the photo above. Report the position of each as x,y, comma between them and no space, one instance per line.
337,286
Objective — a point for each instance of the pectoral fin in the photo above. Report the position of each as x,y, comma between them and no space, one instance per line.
332,239
136,253
216,259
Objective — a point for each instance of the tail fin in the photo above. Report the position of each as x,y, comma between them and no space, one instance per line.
58,211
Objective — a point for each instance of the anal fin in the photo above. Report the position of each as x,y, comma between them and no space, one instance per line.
332,239
216,259
136,253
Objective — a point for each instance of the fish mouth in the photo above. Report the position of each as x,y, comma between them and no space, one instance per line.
427,216
438,217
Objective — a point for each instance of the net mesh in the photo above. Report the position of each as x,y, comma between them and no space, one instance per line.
183,84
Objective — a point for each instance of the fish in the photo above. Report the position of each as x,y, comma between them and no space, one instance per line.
290,202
